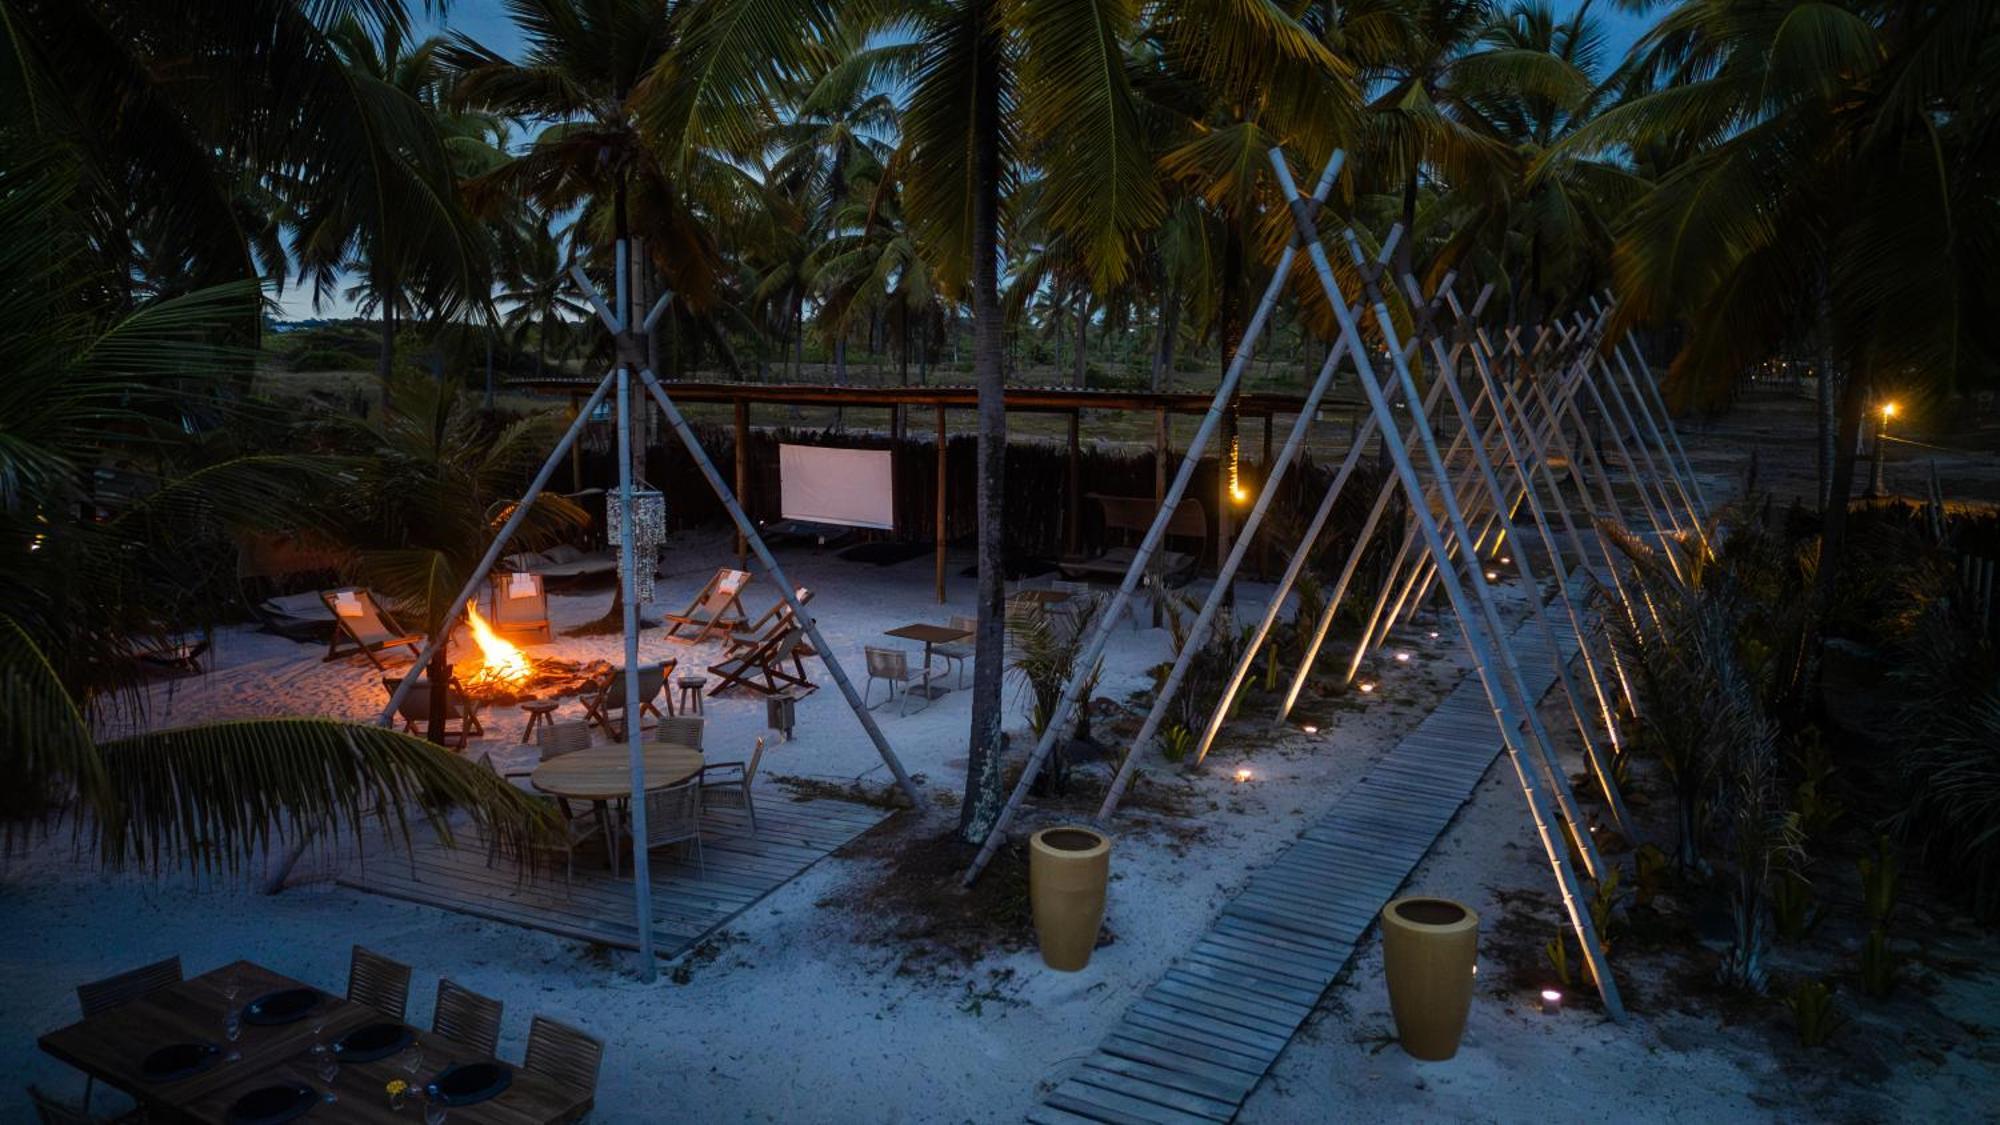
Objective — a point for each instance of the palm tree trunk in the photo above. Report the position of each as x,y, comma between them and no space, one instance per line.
983,781
385,360
1163,352
1082,338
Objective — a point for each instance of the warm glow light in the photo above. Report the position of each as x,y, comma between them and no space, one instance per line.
1888,410
1236,490
1243,774
1506,560
1367,686
1310,729
1552,1001
1434,635
1492,576
1403,657
503,660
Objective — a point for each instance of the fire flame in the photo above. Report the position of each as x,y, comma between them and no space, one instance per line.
503,660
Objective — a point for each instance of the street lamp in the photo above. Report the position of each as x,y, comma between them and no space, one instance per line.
1883,413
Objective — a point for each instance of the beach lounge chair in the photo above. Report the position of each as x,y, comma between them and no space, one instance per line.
771,625
461,715
564,562
360,625
178,656
718,609
761,667
610,696
302,617
520,604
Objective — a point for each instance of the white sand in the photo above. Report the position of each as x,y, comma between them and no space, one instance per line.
800,1019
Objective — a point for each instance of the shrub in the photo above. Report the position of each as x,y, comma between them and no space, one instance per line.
1813,1012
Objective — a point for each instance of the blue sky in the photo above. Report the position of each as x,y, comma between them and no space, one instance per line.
486,21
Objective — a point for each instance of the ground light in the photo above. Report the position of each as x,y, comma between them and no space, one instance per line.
1552,1002
1366,686
1309,728
1404,657
1243,773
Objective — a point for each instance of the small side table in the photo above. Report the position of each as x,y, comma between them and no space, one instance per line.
539,715
691,693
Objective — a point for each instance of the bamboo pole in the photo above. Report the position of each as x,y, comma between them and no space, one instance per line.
943,481
635,752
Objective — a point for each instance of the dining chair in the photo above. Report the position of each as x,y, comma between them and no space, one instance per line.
50,1110
673,816
892,667
576,826
728,784
103,995
960,652
378,982
565,1056
681,730
466,1016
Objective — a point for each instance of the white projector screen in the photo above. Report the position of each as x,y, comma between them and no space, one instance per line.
819,484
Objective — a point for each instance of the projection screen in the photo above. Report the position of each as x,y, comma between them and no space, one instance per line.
856,487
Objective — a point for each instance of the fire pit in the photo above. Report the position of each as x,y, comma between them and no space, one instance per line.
502,675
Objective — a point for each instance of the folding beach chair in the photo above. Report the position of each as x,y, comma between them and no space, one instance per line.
770,626
761,668
610,697
520,605
360,625
461,715
718,609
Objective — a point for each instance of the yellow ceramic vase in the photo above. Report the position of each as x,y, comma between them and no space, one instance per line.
1429,949
1067,871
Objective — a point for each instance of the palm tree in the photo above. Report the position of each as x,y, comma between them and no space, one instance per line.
84,590
535,290
1822,181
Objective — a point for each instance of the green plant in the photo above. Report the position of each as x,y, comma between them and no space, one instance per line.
1813,1012
1794,907
1817,809
1878,882
1175,742
1879,965
1604,908
1270,669
1557,952
1649,865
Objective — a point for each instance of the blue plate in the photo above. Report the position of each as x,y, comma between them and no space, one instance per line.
288,1006
272,1105
375,1041
178,1061
470,1083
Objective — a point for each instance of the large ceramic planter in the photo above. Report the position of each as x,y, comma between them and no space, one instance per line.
1430,947
1067,871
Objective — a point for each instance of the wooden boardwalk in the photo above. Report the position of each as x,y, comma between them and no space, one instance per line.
1195,1045
689,900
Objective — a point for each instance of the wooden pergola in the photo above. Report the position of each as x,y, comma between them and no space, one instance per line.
1070,401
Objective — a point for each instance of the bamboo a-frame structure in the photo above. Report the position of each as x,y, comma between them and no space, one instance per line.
629,336
1510,449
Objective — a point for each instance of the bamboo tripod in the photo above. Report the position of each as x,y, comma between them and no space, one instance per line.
629,334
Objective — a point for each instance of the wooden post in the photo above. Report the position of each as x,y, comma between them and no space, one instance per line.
1075,491
1223,499
1264,471
942,478
575,450
742,474
1160,434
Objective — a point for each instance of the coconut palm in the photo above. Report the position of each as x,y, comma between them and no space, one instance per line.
89,580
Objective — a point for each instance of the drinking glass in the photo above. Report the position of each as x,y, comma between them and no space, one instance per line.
232,1030
434,1110
329,1069
413,1057
397,1099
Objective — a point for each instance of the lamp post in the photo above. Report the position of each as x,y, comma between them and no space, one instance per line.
1887,411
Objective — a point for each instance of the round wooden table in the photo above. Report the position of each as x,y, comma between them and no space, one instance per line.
603,774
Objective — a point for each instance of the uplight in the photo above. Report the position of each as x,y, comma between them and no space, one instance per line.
1243,774
1402,658
1552,1001
1367,687
1309,729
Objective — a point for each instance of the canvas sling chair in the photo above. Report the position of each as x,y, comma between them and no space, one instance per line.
360,625
598,707
520,604
761,668
461,715
718,609
772,624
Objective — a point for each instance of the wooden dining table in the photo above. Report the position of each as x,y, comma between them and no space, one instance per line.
929,635
603,775
112,1047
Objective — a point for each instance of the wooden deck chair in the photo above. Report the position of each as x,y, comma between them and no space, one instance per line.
761,668
360,625
774,622
718,609
520,604
461,715
610,696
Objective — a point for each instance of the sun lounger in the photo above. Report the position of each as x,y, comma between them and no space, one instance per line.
717,610
179,656
564,562
302,617
360,625
520,604
761,667
771,625
1129,517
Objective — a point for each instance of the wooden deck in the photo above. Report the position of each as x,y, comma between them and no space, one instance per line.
1195,1045
689,900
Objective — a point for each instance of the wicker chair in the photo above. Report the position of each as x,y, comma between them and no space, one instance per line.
577,826
103,995
681,730
959,653
892,667
378,982
565,1056
673,816
728,784
467,1017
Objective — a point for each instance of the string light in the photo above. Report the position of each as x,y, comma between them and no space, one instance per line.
1236,490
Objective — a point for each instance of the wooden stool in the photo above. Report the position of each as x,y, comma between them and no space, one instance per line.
539,712
691,693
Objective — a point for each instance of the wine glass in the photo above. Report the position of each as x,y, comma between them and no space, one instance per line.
413,1058
232,1030
434,1109
329,1069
